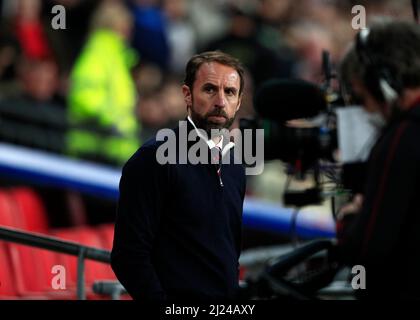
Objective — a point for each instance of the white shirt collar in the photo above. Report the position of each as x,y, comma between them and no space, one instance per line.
211,143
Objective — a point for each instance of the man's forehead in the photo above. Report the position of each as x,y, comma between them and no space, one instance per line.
215,72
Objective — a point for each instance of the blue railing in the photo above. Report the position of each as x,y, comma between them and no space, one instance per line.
38,167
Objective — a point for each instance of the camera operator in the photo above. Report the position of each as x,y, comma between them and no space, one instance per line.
380,229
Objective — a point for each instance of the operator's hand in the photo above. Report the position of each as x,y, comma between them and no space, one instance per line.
353,207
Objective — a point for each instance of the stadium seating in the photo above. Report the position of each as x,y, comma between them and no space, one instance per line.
93,270
7,284
31,208
7,212
26,272
106,232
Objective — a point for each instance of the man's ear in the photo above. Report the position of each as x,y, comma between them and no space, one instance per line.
187,95
239,102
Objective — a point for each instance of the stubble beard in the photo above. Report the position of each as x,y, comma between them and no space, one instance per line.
203,122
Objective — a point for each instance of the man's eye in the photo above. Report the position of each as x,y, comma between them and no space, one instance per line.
230,92
209,89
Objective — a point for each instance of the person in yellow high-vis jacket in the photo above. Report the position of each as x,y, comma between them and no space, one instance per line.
102,96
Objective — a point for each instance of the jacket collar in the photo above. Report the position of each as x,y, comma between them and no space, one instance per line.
225,144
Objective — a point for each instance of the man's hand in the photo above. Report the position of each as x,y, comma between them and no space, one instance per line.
353,207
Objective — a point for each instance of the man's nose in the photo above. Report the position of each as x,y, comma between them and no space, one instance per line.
220,99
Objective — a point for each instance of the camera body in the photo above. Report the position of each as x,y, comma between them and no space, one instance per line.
300,122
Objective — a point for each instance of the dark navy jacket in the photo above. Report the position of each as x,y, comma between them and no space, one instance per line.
178,231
